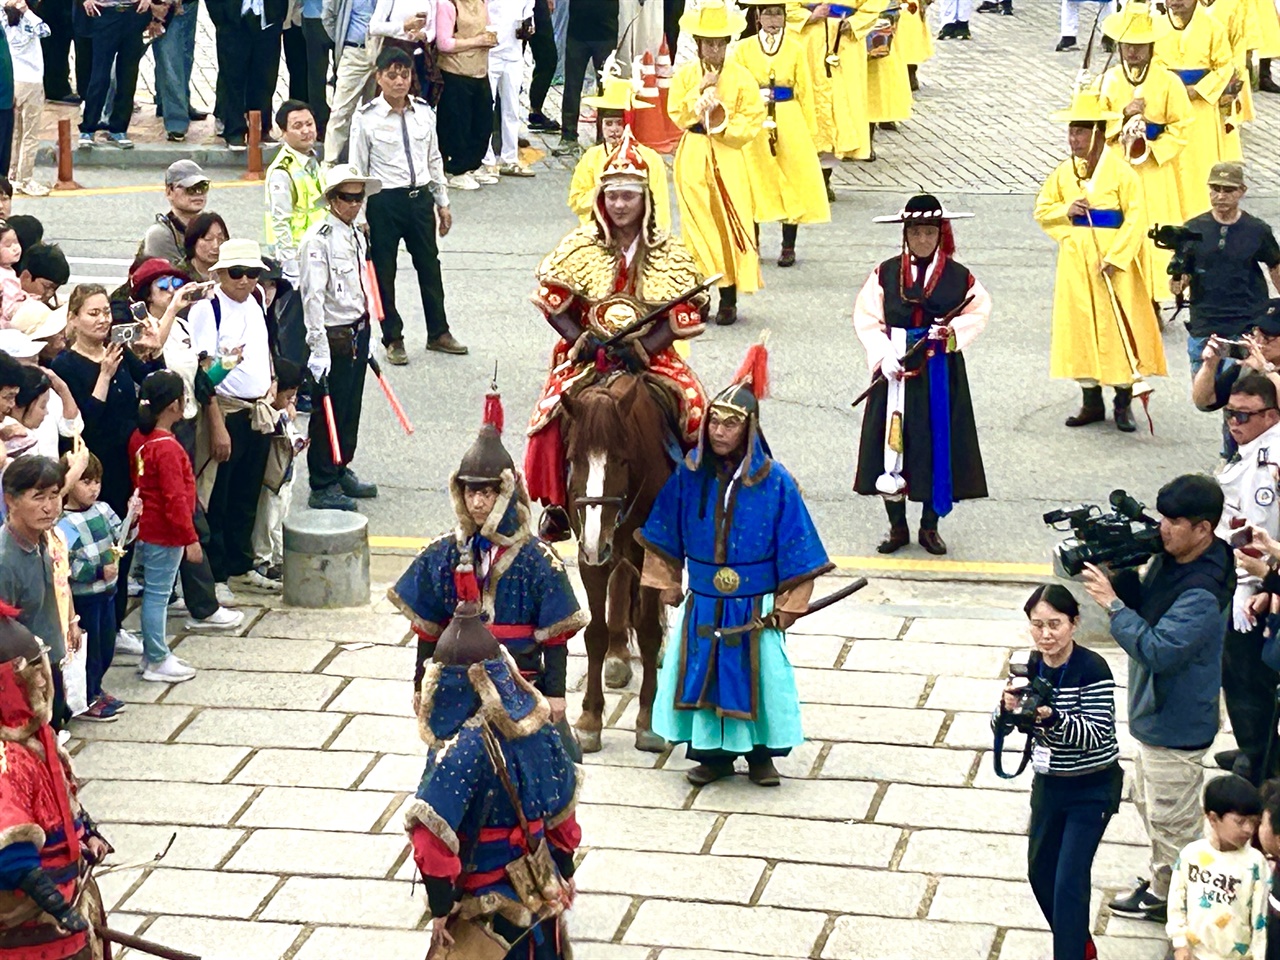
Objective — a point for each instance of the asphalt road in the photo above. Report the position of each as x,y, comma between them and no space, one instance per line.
1033,463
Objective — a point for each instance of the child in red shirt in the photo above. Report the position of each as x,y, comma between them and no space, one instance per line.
164,481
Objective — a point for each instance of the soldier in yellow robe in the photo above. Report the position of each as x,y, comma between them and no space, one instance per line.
611,107
717,103
888,81
786,176
1264,39
834,36
1105,332
1234,15
1195,46
914,37
1152,130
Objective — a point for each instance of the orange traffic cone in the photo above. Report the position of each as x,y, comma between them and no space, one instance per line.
663,73
651,125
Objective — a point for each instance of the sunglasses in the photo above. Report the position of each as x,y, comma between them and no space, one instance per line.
169,283
1244,416
349,197
198,189
239,273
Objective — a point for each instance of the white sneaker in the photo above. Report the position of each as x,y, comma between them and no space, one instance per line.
256,580
168,670
178,606
135,587
485,175
464,181
127,643
32,188
224,595
220,619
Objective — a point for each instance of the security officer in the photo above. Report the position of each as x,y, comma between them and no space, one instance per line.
336,311
393,139
295,204
1249,485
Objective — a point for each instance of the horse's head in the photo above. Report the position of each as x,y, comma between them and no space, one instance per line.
606,446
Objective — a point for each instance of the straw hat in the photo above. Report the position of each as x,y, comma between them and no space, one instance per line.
712,21
1130,25
37,321
347,173
239,253
1086,107
617,95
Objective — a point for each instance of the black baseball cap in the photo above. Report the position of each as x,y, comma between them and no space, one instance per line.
1268,322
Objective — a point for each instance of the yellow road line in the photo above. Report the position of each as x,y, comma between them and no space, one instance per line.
892,564
141,188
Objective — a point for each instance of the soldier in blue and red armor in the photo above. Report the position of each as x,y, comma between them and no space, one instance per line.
480,719
599,279
919,441
50,905
492,557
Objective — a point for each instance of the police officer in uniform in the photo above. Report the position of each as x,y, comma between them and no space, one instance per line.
295,204
1249,484
336,311
393,139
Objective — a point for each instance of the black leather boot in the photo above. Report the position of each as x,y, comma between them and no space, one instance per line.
1123,410
1092,409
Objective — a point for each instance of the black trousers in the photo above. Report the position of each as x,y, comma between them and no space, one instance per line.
576,55
295,61
198,589
897,510
57,51
464,122
6,138
1249,687
672,10
318,50
349,362
393,216
233,504
1068,818
758,754
248,66
117,51
545,55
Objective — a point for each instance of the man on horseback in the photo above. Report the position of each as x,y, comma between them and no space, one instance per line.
734,517
492,558
601,278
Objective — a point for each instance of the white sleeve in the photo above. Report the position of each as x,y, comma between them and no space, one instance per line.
204,333
973,319
386,22
868,321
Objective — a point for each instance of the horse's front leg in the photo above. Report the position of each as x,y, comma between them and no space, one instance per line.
591,722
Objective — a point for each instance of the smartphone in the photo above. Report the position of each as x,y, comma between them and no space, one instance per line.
1234,349
138,310
1242,538
124,333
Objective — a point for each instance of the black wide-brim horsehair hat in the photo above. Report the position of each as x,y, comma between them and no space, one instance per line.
922,208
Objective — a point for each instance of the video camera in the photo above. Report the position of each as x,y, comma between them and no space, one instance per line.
1182,242
1033,693
1125,537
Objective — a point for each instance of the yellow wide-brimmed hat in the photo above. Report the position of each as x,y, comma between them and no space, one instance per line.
1130,25
617,95
768,3
1086,107
712,21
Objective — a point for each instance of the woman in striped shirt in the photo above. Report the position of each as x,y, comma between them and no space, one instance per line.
1077,771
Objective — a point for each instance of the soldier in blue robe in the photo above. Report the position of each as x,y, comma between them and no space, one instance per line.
481,719
734,518
492,557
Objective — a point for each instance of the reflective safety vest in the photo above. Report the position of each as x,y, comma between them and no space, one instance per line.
308,196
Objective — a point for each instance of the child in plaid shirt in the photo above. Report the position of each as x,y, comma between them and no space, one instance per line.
92,529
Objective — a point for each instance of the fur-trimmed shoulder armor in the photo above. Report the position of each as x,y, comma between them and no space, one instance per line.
584,266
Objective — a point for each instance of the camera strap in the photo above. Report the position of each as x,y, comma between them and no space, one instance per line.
997,755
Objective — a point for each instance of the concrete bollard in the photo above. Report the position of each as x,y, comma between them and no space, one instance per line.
326,559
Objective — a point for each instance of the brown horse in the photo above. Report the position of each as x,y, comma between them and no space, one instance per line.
614,439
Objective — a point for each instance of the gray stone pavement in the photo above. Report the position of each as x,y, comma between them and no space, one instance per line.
283,769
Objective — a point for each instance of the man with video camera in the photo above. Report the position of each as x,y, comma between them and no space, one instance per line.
1249,485
1171,622
1226,284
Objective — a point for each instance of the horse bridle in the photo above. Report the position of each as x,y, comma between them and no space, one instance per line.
622,503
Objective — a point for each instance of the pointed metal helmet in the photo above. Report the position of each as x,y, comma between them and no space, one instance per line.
466,640
487,458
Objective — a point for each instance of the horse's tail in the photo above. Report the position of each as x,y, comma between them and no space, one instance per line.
624,584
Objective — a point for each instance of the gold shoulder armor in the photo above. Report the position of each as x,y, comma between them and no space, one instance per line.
581,264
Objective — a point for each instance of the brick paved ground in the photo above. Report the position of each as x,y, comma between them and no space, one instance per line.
284,766
980,123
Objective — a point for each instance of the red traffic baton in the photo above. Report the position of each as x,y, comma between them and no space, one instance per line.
391,396
326,403
373,295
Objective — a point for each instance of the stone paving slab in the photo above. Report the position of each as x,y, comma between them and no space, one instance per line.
158,761
207,652
635,828
804,886
878,938
310,853
857,688
306,768
807,799
899,656
202,893
908,764
720,879
137,801
313,808
807,841
261,728
225,939
194,848
756,930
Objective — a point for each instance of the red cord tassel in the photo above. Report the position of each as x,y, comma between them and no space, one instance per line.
7,611
755,370
493,412
465,584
